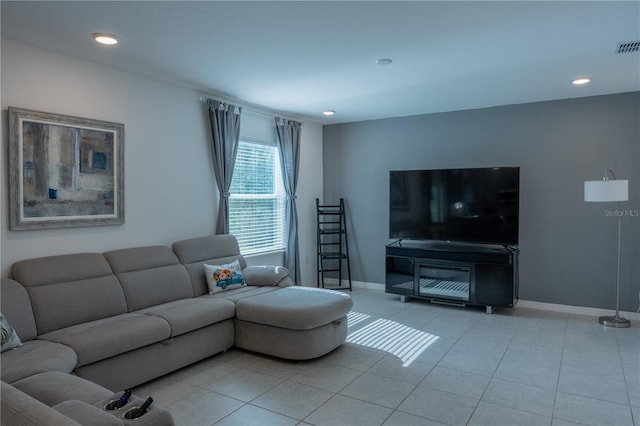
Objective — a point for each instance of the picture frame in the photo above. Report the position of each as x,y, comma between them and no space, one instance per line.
64,171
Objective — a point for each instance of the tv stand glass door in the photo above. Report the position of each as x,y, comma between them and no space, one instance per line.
439,281
454,274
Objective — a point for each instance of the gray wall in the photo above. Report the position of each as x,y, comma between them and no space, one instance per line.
568,247
170,192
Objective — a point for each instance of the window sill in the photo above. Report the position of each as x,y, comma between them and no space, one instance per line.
263,253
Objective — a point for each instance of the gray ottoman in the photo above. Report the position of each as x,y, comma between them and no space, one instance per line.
294,323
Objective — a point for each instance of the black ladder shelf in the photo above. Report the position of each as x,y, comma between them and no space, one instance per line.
333,247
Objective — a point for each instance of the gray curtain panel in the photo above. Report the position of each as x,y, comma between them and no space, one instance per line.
288,133
225,131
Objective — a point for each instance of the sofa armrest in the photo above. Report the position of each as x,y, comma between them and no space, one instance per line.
265,275
286,282
18,408
86,414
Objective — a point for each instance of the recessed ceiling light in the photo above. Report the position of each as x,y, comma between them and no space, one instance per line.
581,81
328,113
384,61
103,38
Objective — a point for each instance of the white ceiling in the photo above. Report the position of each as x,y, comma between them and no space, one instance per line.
308,56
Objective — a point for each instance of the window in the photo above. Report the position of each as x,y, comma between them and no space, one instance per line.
256,203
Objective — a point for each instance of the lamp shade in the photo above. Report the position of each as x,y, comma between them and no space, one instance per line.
601,191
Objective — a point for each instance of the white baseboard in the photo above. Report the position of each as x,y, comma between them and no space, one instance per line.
369,286
568,309
579,310
355,284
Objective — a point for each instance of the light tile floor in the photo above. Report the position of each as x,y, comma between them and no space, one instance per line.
417,363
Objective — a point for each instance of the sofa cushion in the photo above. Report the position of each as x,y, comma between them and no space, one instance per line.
54,387
213,250
187,315
55,269
19,409
150,276
70,289
16,307
9,338
241,293
36,356
97,340
296,308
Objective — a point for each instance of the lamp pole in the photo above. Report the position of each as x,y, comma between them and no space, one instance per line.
609,191
616,321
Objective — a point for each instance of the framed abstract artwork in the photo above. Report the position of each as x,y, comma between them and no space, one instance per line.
64,171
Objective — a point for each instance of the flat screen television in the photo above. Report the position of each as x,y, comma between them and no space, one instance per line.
477,205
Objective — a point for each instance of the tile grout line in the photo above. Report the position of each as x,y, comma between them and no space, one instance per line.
491,378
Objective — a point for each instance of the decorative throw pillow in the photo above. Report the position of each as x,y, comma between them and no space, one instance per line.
224,277
10,339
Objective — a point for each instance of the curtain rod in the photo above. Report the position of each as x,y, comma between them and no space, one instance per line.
253,108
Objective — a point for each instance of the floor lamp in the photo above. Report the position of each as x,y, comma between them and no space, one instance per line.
602,191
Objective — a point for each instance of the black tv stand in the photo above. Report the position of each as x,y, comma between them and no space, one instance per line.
457,274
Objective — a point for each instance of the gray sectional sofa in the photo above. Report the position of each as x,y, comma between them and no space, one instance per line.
124,317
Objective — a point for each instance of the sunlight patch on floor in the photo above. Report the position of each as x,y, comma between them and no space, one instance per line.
354,318
400,340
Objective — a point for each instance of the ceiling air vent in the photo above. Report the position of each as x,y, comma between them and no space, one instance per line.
628,47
